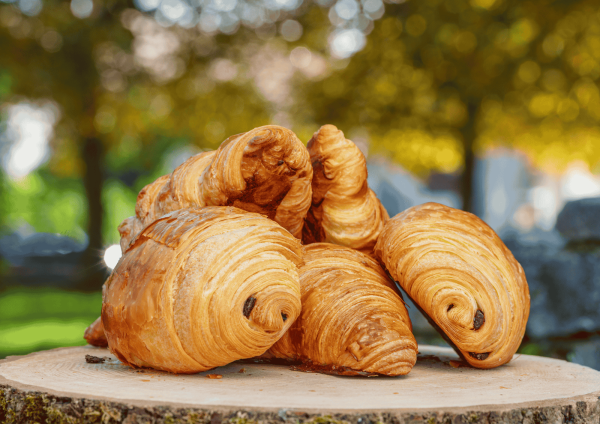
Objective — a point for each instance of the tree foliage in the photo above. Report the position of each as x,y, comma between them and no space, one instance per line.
436,82
441,77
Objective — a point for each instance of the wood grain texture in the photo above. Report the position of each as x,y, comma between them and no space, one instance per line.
59,386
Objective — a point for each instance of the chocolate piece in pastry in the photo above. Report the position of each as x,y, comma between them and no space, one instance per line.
200,288
265,170
352,321
344,209
462,276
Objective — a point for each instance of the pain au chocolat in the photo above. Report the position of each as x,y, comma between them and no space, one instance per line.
266,170
353,321
200,288
344,209
462,277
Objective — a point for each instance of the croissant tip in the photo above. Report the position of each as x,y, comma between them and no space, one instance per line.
327,132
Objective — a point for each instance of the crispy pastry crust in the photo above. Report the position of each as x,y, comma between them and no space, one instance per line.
266,170
200,288
94,334
352,320
344,209
459,272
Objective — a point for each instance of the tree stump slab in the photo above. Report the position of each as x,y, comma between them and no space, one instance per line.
59,386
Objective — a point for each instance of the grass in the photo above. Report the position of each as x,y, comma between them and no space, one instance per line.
44,318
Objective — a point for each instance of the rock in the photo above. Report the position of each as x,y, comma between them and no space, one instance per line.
17,247
580,220
587,353
42,259
399,190
499,186
564,284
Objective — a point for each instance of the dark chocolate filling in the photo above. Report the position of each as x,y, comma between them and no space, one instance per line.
479,356
248,306
479,319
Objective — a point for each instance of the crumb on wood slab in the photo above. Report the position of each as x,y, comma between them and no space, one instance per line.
91,359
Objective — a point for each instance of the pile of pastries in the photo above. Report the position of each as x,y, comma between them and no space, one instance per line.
267,247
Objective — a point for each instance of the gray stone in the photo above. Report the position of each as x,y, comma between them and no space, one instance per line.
399,190
564,284
587,353
17,247
500,187
580,220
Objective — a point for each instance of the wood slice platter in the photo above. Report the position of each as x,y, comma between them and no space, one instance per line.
60,386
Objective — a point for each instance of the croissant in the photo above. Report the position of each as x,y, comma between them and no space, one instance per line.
200,288
94,334
352,320
463,278
265,170
344,209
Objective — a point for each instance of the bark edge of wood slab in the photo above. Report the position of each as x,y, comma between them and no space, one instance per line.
33,396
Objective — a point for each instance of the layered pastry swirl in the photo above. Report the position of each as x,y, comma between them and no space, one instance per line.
265,170
462,276
344,209
200,288
213,269
352,320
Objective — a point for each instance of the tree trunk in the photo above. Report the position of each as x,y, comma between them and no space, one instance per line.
94,270
469,134
467,178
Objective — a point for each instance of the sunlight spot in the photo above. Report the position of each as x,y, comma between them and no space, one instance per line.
291,30
300,57
28,130
147,5
345,43
30,7
82,8
112,256
346,9
578,182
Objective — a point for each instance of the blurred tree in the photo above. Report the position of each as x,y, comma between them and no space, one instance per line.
436,82
440,80
127,89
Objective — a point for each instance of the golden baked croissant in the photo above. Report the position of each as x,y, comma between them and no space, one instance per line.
200,288
94,334
462,276
352,319
344,209
265,170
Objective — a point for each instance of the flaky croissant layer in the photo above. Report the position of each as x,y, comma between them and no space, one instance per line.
462,276
200,288
344,209
265,170
352,319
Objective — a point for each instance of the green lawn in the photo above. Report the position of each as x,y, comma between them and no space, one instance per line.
43,318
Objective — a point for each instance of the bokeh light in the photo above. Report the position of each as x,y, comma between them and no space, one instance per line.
112,255
29,128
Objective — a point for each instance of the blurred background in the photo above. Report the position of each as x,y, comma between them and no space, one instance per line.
492,106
